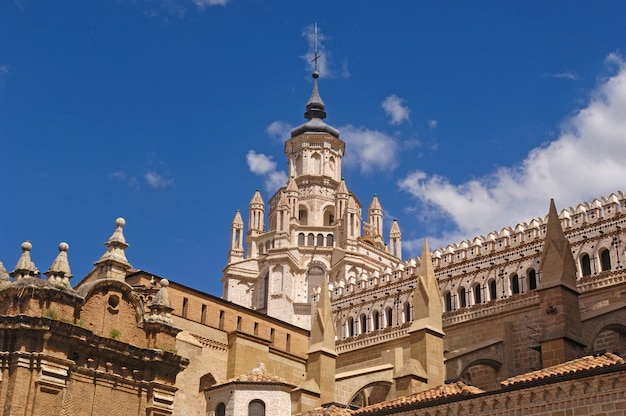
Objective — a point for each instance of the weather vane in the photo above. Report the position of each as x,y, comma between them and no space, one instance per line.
316,57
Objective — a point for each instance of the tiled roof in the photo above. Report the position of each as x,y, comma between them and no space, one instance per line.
257,375
447,390
327,411
581,364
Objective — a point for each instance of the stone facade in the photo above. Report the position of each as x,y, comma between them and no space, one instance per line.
333,312
87,350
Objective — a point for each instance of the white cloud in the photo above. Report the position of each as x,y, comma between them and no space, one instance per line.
279,130
202,4
263,165
396,109
570,75
324,62
259,163
584,162
121,176
432,124
369,150
157,181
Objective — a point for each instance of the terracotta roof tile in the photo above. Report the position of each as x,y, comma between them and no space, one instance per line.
257,375
447,390
327,411
580,364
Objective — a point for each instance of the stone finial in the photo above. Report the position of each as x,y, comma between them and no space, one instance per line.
113,263
25,266
161,307
4,276
59,271
162,298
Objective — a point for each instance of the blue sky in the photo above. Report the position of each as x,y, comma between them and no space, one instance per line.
463,117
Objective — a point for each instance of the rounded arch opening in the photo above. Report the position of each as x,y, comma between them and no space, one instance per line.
372,393
482,373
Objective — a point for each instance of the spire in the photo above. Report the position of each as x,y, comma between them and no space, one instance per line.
425,366
427,300
561,334
25,266
59,271
375,204
557,263
321,362
237,220
342,189
315,114
256,198
256,213
315,105
113,263
395,237
236,238
293,196
322,328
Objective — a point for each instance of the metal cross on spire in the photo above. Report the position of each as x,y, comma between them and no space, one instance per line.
316,57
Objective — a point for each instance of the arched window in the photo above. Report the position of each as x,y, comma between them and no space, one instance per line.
316,159
492,290
585,264
363,321
298,165
447,299
350,327
320,240
301,239
220,410
514,284
462,298
310,240
477,294
329,216
376,320
329,240
532,279
389,316
605,260
256,408
303,216
407,311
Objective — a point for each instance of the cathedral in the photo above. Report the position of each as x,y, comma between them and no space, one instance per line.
321,315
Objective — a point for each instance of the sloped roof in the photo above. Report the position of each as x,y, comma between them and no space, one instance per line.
578,365
445,391
327,411
258,375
